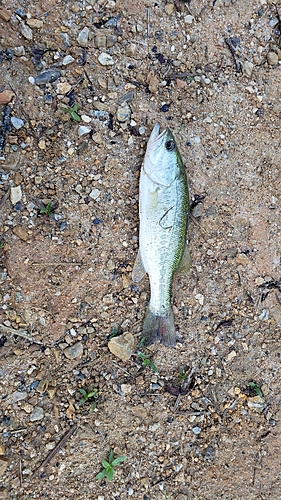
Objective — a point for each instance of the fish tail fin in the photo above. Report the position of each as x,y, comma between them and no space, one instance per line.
159,327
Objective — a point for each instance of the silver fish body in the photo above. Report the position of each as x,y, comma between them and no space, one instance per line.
163,211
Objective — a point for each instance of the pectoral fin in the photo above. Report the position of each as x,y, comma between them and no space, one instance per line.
138,269
185,263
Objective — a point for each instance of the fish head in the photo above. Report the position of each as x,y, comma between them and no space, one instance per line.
162,162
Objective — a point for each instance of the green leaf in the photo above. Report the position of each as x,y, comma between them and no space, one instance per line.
101,474
105,464
83,392
153,367
118,460
110,456
75,116
109,474
75,107
256,388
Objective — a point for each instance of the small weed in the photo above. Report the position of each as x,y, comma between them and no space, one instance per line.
47,209
182,376
109,467
256,388
91,392
114,333
2,245
72,112
147,362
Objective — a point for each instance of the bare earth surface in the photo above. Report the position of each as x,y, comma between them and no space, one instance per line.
207,424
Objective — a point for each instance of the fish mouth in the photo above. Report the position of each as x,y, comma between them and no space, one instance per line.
156,134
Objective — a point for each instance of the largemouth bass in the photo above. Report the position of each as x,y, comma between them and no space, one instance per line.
163,212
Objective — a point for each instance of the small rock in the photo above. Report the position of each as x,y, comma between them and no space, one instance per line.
17,122
197,211
82,130
25,31
18,396
272,58
189,19
86,118
105,59
2,449
74,351
169,8
34,23
247,68
21,233
154,427
97,137
110,265
15,194
100,41
122,346
5,15
126,388
47,76
111,40
83,37
67,60
230,356
37,414
6,96
63,88
196,430
153,84
4,462
123,113
242,259
257,404
94,194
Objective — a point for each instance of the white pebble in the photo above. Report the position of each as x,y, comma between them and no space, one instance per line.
94,194
17,122
67,60
82,130
105,59
15,194
86,118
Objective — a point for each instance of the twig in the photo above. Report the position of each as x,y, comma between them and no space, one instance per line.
60,445
4,199
54,6
19,333
148,22
5,127
175,76
177,403
20,473
233,53
55,264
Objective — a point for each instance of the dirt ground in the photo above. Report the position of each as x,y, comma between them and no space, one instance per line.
206,425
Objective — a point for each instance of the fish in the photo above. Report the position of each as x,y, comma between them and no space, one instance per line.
163,221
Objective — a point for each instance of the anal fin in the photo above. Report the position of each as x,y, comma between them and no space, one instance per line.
138,269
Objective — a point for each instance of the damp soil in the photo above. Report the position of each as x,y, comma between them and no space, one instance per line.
202,419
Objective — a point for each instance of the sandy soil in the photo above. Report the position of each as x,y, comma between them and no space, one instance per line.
206,425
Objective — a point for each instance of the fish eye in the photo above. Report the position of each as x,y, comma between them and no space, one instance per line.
170,145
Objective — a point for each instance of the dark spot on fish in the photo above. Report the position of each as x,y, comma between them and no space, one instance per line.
170,145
